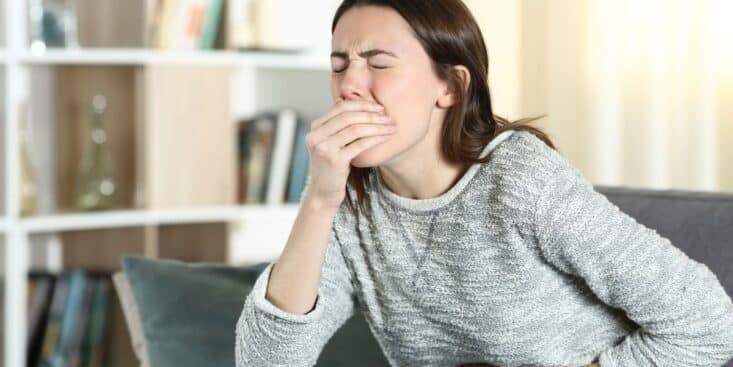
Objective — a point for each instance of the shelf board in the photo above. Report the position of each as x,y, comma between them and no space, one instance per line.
132,217
134,56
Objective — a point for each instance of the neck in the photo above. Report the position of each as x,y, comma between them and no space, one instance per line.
422,182
422,172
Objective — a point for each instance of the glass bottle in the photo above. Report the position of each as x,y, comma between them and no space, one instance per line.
96,188
28,184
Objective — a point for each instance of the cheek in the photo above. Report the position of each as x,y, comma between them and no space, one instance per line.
408,103
335,92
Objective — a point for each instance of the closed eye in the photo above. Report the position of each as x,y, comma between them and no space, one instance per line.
373,66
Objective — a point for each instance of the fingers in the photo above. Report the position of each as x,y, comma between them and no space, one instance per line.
344,106
346,130
350,141
356,122
355,148
358,131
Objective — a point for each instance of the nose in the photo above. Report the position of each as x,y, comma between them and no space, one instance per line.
354,82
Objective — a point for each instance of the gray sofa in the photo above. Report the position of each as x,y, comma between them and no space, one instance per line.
700,224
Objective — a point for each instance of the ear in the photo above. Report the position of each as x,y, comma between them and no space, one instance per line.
449,96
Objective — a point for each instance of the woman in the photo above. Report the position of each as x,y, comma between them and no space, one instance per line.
462,238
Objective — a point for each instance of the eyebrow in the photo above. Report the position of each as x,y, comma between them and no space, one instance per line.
364,54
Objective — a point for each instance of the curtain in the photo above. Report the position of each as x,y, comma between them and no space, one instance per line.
638,93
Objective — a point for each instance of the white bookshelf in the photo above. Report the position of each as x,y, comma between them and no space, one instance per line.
317,61
267,225
128,218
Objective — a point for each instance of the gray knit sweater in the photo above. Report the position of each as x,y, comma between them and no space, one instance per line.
520,263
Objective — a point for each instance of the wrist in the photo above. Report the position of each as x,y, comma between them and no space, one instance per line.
314,204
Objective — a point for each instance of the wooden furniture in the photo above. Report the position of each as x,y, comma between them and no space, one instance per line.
171,124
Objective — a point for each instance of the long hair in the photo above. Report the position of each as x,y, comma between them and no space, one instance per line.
450,35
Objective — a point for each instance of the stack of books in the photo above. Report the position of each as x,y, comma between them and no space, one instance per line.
185,24
67,318
273,158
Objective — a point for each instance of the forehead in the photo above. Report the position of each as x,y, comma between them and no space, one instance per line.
367,27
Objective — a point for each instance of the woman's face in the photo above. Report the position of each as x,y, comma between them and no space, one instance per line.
377,58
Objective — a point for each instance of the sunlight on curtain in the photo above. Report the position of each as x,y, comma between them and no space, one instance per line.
638,93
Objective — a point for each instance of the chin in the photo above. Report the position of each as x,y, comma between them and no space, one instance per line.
371,157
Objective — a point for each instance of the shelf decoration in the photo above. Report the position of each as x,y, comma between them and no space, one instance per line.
96,186
28,183
53,23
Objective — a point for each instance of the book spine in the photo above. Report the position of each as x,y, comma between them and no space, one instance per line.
70,319
268,143
80,331
51,337
281,156
93,352
38,317
211,24
299,170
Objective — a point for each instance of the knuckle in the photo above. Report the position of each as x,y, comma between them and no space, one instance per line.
321,150
333,160
361,129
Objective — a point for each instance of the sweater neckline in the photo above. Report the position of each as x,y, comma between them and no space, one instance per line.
424,205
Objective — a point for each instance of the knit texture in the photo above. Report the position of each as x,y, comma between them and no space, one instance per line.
520,263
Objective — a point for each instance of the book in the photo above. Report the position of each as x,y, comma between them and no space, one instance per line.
93,346
41,289
240,24
212,23
186,24
161,28
74,354
287,120
55,316
256,137
68,320
299,166
78,318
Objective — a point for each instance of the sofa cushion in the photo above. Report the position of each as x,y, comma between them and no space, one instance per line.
188,312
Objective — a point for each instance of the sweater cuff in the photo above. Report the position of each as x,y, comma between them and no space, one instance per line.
262,304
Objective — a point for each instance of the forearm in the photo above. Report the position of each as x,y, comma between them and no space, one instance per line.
271,333
295,278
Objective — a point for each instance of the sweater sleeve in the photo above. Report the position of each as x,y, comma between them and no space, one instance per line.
685,315
269,336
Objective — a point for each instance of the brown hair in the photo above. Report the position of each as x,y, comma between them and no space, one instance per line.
450,36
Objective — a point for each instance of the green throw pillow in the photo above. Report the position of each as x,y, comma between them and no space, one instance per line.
189,311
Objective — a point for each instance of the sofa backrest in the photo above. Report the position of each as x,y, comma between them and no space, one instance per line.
698,223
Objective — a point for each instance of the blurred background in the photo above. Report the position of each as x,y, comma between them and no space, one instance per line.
174,128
